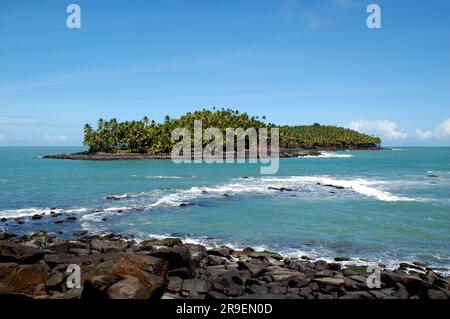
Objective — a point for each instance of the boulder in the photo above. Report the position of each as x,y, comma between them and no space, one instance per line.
178,257
23,279
169,242
255,267
123,287
6,235
107,246
195,285
174,284
14,252
221,252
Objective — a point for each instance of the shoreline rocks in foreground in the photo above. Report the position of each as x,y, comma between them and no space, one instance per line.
114,267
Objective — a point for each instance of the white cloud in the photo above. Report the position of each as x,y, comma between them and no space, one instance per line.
385,128
54,138
2,138
424,134
442,130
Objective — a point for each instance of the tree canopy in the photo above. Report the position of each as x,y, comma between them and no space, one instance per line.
148,136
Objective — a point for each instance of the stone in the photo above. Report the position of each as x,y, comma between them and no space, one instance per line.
177,257
256,289
174,284
24,279
122,287
54,280
342,259
197,253
221,252
6,235
182,272
107,246
215,295
13,252
357,295
255,267
436,294
216,260
320,265
80,233
195,285
169,242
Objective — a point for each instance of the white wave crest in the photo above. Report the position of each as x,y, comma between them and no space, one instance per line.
28,212
328,155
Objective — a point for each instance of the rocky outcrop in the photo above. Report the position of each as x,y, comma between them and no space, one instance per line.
114,267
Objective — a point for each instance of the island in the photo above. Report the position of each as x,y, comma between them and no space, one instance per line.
147,139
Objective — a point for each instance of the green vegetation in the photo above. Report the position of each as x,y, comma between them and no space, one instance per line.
147,136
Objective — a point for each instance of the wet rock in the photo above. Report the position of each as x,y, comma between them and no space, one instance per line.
320,265
3,219
36,217
178,257
281,189
79,233
106,246
342,259
7,235
169,242
216,260
71,219
264,254
221,252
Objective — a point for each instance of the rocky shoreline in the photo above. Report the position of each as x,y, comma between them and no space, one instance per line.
116,267
100,156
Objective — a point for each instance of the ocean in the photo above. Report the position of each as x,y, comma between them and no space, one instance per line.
386,206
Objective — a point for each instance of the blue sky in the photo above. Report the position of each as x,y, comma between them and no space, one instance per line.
296,62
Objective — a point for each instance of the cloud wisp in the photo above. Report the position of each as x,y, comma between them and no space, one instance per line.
385,128
441,131
54,138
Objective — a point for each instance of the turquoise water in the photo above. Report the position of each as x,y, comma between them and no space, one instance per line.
395,205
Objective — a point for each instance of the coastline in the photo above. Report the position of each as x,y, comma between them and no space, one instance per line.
284,153
117,267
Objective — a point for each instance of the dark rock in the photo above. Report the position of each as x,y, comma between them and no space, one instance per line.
80,233
106,246
174,284
13,252
436,294
320,265
196,285
71,219
248,250
342,259
183,273
255,267
197,253
178,257
216,260
215,295
357,295
36,216
257,289
221,252
3,219
281,189
169,242
6,235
